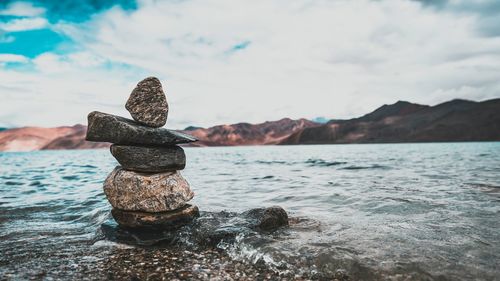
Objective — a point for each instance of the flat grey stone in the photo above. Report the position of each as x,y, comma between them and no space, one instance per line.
147,103
104,127
149,159
165,220
159,192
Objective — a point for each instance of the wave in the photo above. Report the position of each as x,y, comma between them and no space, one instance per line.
355,167
13,183
281,162
323,163
263,178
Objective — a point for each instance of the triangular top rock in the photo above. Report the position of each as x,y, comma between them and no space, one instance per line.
147,103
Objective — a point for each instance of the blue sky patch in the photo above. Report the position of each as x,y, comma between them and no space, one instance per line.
32,43
75,11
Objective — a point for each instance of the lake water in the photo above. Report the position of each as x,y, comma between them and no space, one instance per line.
396,211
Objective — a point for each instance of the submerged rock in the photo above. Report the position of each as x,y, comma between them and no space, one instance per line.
267,219
205,231
149,159
165,220
147,103
104,127
133,191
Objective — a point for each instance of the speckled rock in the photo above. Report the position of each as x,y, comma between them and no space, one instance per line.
165,220
133,191
104,127
147,103
149,159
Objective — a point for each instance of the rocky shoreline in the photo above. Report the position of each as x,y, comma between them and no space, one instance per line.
139,263
194,251
181,264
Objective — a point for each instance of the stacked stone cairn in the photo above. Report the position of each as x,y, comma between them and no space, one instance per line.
147,190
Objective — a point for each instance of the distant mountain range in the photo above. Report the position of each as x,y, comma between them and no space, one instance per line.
249,134
36,138
456,120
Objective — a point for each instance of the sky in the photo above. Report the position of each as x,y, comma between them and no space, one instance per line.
229,61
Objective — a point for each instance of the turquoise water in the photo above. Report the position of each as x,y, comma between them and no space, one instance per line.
425,211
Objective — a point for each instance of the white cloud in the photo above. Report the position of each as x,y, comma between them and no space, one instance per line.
23,24
338,59
22,9
60,91
13,58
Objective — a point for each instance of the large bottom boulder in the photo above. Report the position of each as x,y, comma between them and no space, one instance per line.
159,192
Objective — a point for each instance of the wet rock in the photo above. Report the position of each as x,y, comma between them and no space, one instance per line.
267,219
136,236
104,127
206,231
147,103
159,192
213,227
165,220
149,159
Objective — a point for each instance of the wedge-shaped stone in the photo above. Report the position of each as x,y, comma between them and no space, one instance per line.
149,159
147,103
104,127
165,220
133,191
